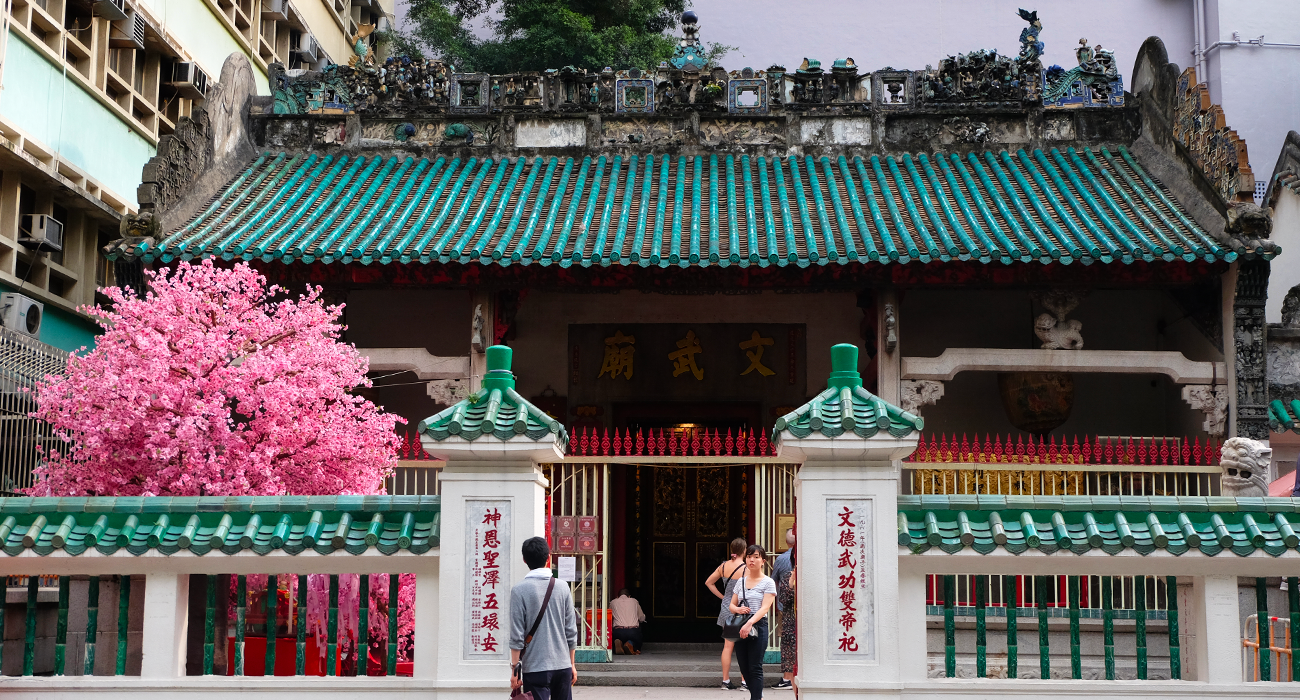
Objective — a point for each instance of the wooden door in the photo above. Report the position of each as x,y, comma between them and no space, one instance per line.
693,514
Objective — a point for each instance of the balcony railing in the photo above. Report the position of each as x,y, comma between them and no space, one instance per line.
1079,466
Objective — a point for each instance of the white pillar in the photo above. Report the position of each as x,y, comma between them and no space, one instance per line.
913,654
850,641
493,498
166,621
867,485
1218,629
518,492
427,613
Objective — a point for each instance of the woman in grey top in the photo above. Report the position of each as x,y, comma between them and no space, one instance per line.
754,596
729,571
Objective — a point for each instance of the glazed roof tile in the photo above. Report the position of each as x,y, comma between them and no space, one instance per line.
845,407
660,210
497,410
229,525
1051,524
1284,415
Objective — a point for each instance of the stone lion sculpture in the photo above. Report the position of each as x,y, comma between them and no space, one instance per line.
1245,465
1058,335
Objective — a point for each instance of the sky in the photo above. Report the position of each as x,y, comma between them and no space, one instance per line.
912,34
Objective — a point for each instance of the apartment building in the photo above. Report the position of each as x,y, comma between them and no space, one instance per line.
89,92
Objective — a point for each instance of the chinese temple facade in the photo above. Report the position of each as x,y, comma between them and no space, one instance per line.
1054,274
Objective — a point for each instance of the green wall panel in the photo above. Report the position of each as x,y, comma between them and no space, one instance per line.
63,329
60,114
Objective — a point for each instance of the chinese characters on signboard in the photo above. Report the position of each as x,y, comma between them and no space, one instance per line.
620,353
684,356
648,362
487,579
754,351
850,567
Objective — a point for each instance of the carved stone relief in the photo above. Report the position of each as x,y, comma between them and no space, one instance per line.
756,132
1212,401
642,131
1057,332
919,392
448,391
1248,334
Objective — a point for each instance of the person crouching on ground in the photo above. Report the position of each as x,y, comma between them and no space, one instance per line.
628,617
754,597
543,629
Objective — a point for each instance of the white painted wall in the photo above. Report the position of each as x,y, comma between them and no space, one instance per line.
1286,232
1259,87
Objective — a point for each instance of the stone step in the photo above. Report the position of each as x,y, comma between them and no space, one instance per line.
665,679
668,666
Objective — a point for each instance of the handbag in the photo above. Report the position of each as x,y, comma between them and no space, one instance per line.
732,623
518,670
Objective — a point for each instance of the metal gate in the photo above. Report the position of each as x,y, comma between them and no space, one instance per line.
773,498
23,362
580,492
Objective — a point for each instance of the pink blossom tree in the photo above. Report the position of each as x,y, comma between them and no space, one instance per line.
214,384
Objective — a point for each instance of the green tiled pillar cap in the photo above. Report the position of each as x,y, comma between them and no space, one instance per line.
844,366
499,375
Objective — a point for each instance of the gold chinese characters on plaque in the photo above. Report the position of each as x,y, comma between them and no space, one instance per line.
619,356
684,357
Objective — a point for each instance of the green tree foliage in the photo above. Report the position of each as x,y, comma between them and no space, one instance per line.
528,35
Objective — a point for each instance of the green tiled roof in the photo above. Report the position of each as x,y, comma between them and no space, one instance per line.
1112,524
202,525
845,407
1284,416
497,410
717,209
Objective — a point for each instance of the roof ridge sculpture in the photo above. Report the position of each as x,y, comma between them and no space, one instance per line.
689,82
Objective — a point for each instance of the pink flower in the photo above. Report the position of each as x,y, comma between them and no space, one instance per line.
214,384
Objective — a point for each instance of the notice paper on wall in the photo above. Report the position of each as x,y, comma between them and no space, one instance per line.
568,569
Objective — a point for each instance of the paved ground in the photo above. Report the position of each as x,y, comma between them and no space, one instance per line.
626,693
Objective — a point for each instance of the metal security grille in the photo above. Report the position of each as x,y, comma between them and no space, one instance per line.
414,478
773,497
582,491
1126,592
23,362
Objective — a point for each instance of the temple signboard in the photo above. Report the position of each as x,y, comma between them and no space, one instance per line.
850,568
487,579
763,363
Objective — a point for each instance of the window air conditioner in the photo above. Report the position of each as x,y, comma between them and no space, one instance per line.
189,80
277,10
41,232
114,10
307,48
21,314
128,33
384,24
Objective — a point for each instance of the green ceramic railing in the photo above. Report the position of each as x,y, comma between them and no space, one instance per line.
981,612
386,664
